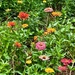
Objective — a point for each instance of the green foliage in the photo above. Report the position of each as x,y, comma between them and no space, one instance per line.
59,43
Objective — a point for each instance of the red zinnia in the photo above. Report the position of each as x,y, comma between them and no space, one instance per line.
23,15
11,24
17,44
66,61
62,68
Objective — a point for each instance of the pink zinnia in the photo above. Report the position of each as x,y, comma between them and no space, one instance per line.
66,61
48,9
62,68
40,45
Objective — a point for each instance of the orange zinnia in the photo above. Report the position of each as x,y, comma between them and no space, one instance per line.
17,44
11,24
56,13
45,33
35,38
23,15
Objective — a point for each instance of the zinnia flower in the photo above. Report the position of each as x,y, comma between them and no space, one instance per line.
11,24
66,61
56,13
28,61
44,57
62,68
23,15
44,1
20,1
50,30
48,9
35,38
25,25
17,44
49,70
45,33
7,10
40,45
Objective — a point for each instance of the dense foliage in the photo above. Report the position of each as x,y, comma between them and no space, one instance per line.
37,37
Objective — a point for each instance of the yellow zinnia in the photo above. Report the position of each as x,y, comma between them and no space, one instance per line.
49,70
7,10
20,1
45,33
44,1
28,61
51,30
25,25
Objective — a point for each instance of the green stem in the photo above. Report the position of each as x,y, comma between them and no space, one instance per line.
13,63
47,23
72,67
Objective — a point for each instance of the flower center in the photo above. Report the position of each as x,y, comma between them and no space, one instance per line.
44,57
40,44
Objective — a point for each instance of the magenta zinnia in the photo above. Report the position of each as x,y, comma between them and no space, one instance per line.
62,68
66,61
40,45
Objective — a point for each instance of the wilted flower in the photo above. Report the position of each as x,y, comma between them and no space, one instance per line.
66,61
62,68
48,9
50,30
11,24
28,61
20,1
35,38
23,15
25,25
56,13
44,57
17,44
44,1
40,45
49,70
7,10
